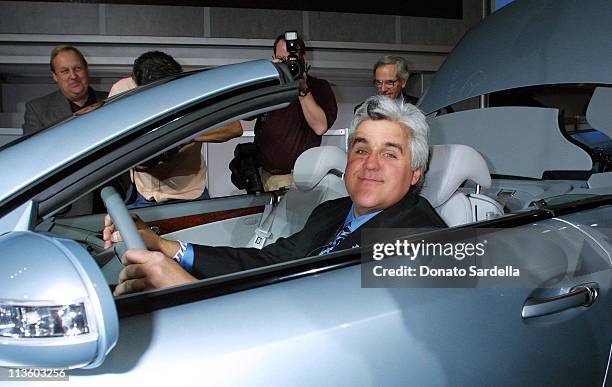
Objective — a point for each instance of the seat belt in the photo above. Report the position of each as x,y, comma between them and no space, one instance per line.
262,232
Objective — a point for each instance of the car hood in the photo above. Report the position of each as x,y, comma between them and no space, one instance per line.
527,43
23,162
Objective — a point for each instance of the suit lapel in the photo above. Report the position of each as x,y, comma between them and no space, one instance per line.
393,216
59,108
328,226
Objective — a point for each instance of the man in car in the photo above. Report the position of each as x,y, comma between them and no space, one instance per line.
69,71
387,158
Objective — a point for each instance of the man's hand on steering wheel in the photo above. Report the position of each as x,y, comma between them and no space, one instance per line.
151,240
111,235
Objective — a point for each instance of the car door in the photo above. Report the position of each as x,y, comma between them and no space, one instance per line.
312,322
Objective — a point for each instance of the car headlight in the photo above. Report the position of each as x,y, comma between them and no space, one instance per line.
42,321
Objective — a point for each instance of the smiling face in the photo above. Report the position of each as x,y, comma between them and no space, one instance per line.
387,82
71,76
379,167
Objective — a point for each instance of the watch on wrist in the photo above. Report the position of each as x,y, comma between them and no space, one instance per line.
304,92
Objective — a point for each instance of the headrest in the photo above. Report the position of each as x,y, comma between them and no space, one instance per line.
450,166
315,163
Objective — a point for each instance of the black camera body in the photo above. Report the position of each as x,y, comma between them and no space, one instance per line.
245,173
295,62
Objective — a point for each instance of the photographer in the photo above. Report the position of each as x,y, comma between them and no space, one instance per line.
282,135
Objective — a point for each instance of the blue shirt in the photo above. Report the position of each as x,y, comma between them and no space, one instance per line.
351,223
187,260
355,223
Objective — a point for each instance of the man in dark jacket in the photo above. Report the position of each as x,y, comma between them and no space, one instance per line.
387,158
69,71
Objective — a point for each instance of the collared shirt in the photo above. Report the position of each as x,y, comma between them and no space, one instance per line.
356,222
187,260
351,223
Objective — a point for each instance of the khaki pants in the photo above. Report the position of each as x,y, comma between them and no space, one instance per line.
275,182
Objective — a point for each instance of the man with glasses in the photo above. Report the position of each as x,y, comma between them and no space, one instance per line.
390,77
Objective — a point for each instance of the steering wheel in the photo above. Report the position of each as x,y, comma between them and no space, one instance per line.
122,220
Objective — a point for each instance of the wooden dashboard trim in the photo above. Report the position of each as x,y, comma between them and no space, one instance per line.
166,226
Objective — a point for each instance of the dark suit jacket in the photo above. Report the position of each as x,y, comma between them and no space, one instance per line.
412,211
48,110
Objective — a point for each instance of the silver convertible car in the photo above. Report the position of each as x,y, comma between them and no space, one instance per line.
508,171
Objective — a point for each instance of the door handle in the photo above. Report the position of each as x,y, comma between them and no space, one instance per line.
581,295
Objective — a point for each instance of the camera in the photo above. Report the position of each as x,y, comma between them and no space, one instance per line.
295,62
245,173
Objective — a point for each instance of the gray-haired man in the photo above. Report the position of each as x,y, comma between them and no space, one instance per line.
390,77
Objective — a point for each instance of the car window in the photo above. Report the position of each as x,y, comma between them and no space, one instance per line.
193,171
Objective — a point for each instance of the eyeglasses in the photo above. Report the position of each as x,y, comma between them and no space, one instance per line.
387,83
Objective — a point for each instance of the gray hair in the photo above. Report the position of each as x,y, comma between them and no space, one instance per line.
408,116
402,65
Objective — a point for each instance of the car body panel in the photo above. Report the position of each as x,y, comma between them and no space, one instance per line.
527,43
327,330
19,219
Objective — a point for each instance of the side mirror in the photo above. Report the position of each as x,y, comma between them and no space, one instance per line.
56,309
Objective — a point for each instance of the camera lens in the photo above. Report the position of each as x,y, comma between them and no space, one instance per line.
296,66
294,69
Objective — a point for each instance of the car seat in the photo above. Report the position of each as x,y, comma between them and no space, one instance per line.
450,166
317,176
